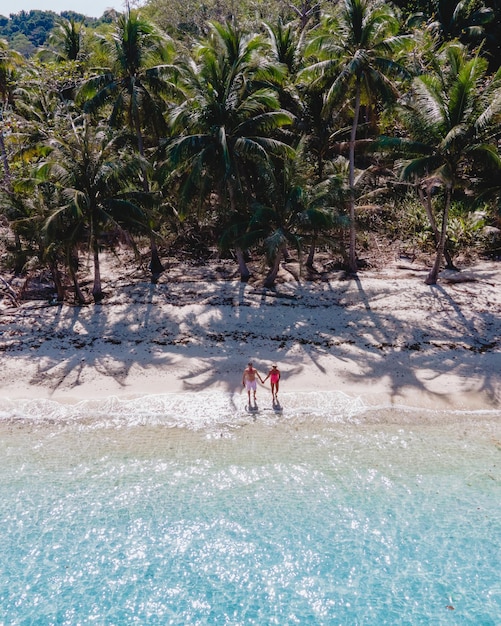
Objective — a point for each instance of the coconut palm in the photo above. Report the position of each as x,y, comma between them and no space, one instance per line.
357,58
285,59
324,210
54,247
10,60
65,41
90,174
273,225
461,20
296,213
311,128
286,45
134,86
451,119
226,127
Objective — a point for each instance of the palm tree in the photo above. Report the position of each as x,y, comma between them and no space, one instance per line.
461,20
450,118
134,86
286,45
49,246
357,57
226,127
9,61
65,40
323,210
285,59
91,174
296,212
273,224
312,128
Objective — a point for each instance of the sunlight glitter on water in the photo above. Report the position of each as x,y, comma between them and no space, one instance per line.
356,517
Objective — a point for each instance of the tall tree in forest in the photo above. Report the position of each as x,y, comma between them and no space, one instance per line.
356,54
226,126
134,86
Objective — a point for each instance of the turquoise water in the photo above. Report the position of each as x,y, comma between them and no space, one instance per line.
190,510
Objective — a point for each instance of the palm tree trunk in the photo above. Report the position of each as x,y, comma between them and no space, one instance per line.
58,283
242,266
80,298
311,253
5,161
97,291
18,267
432,277
272,274
352,258
78,292
426,202
156,267
320,167
19,257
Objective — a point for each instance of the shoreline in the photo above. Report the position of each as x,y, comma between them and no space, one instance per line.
384,337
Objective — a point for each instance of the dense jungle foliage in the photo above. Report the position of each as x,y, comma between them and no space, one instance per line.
257,130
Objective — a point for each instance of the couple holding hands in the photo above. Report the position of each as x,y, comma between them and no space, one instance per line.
250,383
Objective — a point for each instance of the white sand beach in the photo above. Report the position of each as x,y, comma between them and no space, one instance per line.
385,337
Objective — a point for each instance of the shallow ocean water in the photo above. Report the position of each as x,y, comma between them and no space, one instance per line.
189,509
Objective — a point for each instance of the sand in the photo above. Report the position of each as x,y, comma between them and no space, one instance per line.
384,337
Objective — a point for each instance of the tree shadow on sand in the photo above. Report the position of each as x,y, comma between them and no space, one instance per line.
214,328
389,347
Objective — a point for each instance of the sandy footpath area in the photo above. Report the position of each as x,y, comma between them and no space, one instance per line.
385,337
